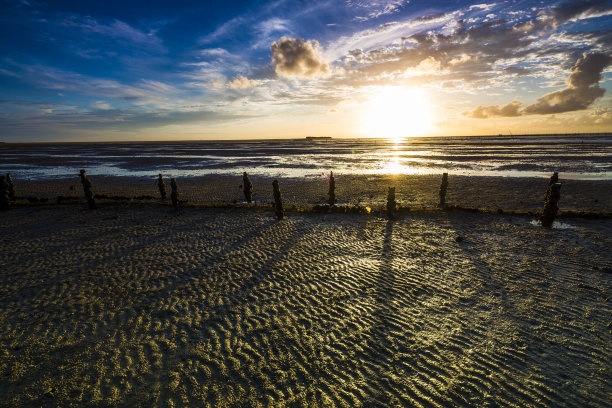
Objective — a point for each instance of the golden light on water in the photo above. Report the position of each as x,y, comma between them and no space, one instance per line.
396,112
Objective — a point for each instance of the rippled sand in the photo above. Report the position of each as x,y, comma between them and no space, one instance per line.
135,305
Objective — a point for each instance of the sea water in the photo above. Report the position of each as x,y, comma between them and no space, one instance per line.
575,156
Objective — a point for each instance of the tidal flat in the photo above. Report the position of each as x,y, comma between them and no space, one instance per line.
134,304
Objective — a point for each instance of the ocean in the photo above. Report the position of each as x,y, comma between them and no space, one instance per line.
586,157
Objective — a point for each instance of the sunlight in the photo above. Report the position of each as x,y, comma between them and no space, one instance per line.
395,112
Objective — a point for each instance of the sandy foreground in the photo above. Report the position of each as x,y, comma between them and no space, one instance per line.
134,304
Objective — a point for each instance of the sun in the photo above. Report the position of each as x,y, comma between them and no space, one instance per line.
396,112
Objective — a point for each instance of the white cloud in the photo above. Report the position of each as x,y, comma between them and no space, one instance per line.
241,82
118,30
376,8
101,105
384,35
483,6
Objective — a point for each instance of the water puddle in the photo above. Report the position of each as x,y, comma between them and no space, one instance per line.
556,224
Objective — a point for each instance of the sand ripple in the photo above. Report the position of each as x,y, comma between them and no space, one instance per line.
138,306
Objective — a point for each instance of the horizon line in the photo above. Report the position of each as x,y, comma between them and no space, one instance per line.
511,135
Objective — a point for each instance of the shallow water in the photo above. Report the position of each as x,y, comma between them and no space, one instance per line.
556,224
585,157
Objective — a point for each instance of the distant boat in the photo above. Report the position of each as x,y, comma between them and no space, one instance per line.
318,137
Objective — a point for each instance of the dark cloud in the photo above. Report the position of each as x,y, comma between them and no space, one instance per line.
575,9
582,90
510,110
582,87
516,71
294,57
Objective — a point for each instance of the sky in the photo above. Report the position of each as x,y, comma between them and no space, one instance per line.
181,70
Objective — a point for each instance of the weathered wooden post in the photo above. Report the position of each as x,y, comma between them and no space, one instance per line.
553,179
247,187
11,187
4,194
332,189
162,186
87,190
550,207
443,188
278,201
391,204
174,195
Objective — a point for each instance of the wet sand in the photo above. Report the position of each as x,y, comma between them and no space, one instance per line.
492,193
134,304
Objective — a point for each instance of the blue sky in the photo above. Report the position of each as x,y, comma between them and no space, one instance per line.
146,70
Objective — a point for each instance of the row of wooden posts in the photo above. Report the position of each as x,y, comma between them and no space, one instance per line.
553,193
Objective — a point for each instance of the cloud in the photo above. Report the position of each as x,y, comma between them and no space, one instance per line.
144,92
294,57
577,10
385,34
377,8
483,6
101,105
483,53
510,110
582,90
118,30
213,67
241,82
222,31
582,87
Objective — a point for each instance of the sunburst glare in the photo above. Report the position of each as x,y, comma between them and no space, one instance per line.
396,112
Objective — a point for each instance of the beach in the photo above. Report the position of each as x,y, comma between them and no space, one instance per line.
222,305
412,191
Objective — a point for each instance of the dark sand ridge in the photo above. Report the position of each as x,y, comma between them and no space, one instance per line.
523,194
136,305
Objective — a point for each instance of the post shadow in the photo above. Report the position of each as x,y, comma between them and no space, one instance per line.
278,201
87,190
442,193
11,187
4,194
174,195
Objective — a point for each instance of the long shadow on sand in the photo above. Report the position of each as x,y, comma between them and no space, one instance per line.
520,276
236,296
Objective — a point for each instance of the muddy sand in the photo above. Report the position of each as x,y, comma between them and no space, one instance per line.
492,193
134,304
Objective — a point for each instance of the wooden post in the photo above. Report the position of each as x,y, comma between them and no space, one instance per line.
4,194
553,179
162,186
278,201
443,188
174,195
332,189
391,204
247,187
550,207
87,190
11,187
